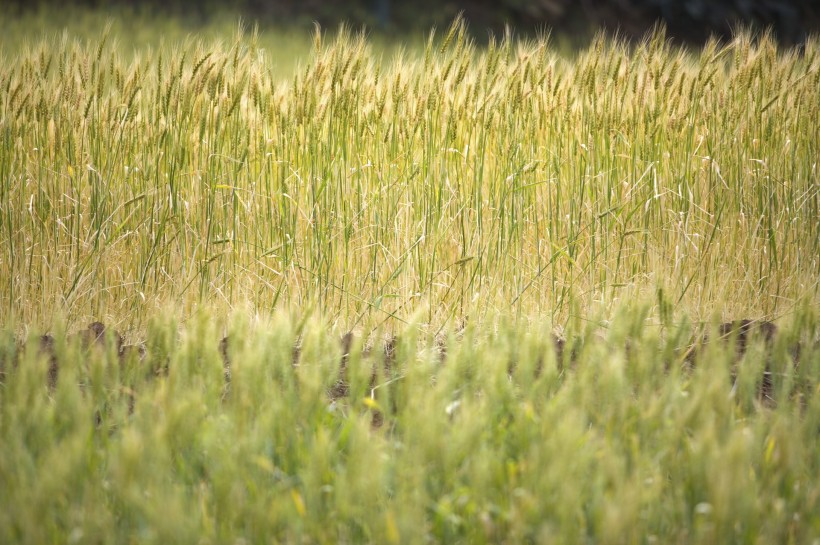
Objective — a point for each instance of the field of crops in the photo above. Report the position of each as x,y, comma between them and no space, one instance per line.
452,294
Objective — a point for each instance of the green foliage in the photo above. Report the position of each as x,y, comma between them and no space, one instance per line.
497,442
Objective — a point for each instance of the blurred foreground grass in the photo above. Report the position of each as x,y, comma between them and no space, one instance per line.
497,442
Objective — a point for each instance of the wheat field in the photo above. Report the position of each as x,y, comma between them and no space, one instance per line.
533,251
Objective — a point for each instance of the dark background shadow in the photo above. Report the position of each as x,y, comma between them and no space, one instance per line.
687,21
